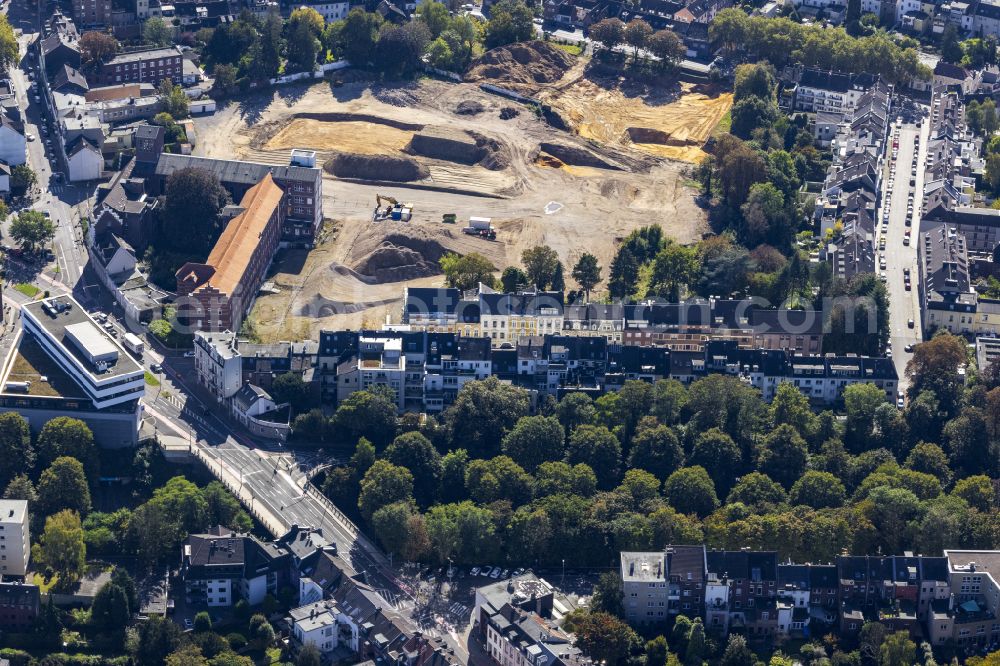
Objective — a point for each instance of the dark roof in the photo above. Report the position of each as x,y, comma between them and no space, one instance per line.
69,77
232,171
428,300
823,576
826,80
521,304
683,560
948,70
145,131
15,593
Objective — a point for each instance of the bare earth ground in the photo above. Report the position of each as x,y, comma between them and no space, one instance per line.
357,273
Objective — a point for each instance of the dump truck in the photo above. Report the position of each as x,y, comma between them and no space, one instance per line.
482,227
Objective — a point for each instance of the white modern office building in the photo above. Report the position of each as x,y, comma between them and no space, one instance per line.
65,364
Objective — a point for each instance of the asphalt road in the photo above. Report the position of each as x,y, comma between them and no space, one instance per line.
903,304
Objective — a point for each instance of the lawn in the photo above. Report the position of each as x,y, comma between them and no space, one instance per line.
44,587
28,290
725,123
150,379
572,49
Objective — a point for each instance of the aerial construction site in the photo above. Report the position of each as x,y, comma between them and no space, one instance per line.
403,160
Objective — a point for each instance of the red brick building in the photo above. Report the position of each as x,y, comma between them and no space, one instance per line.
145,66
220,291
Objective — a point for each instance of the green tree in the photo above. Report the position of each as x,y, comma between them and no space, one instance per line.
819,490
609,33
155,31
221,508
784,455
757,491
597,448
656,651
534,440
934,366
61,546
95,48
694,653
20,487
184,502
718,454
675,267
416,453
8,45
22,177
750,114
202,622
194,199
513,279
224,80
110,613
860,403
384,484
66,436
157,638
499,478
605,638
668,47
554,478
637,34
790,406
462,531
656,449
291,388
261,633
929,459
370,414
977,491
359,36
609,595
173,99
17,455
540,263
897,650
31,229
63,486
753,80
467,271
951,50
737,652
390,524
587,273
309,655
482,413
435,15
510,21
690,490
303,46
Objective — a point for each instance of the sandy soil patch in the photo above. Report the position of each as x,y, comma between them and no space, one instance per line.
674,128
350,137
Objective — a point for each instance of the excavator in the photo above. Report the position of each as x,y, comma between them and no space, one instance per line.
393,210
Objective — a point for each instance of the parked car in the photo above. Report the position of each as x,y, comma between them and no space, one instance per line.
156,367
908,349
485,571
496,572
505,573
909,323
189,354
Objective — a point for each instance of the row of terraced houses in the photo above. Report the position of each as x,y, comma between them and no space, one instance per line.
951,599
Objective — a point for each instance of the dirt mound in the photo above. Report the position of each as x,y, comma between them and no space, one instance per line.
525,62
441,144
402,257
376,167
648,135
576,156
468,148
469,107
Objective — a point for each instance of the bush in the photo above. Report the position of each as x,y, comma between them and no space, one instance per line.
236,641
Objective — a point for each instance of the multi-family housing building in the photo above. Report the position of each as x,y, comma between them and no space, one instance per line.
88,374
518,622
425,371
685,326
142,66
300,180
20,603
946,296
823,91
222,567
217,294
947,599
15,540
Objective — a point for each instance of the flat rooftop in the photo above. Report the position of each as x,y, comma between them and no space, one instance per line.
31,364
56,325
641,567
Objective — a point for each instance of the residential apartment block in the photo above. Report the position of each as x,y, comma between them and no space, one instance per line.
222,567
142,66
687,326
15,540
951,599
20,604
220,292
